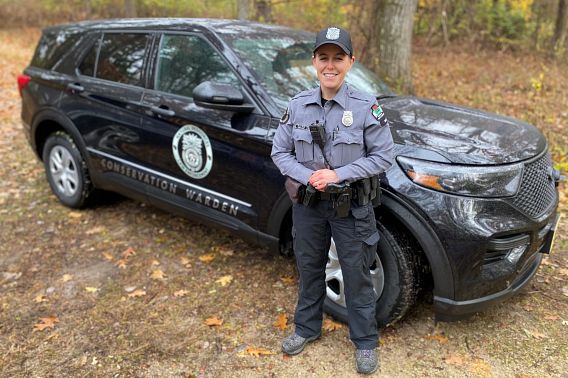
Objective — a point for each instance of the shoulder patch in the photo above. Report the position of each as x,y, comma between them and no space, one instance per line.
378,113
285,116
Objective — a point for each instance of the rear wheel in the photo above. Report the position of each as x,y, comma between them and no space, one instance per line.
394,275
66,170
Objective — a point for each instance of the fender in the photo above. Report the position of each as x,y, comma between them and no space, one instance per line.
442,273
52,114
281,207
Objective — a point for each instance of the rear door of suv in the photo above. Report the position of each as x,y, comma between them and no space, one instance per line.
103,100
216,157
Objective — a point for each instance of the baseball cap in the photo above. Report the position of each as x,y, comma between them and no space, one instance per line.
336,36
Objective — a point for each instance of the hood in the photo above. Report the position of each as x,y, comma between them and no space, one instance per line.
462,135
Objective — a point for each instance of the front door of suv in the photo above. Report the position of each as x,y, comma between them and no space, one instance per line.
213,157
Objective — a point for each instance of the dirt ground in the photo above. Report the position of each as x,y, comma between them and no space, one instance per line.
125,289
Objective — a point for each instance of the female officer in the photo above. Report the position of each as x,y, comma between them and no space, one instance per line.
355,145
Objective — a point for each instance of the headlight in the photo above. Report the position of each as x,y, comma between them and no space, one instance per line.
477,181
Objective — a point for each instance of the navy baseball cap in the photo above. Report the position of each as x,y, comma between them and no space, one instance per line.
336,36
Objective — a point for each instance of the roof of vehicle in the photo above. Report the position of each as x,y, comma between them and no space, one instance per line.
221,26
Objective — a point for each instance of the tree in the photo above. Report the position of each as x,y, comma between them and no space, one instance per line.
560,28
395,19
243,9
130,8
263,10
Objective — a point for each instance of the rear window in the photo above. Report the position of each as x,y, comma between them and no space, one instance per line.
53,46
121,58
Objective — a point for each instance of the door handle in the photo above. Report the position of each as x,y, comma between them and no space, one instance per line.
162,111
76,87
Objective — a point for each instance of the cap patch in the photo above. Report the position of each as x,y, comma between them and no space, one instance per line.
332,33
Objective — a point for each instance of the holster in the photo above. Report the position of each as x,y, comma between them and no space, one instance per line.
310,196
294,189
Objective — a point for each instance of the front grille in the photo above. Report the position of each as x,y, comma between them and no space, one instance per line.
537,192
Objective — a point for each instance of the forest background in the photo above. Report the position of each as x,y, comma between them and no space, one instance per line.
520,25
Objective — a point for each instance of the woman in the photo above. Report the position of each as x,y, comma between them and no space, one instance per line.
333,140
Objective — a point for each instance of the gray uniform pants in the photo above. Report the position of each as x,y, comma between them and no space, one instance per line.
355,238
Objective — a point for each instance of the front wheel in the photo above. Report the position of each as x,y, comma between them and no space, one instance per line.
394,277
66,170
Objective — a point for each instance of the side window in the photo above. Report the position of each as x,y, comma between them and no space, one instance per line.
87,67
53,46
122,57
185,61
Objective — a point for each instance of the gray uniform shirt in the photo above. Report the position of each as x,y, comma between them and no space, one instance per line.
358,139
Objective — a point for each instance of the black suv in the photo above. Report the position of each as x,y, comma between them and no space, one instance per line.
181,113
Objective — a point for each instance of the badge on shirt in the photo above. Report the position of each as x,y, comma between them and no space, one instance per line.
347,119
378,113
285,117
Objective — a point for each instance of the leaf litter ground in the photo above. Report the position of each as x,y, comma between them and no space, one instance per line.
81,292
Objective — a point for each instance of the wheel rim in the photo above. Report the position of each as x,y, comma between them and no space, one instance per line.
334,277
63,171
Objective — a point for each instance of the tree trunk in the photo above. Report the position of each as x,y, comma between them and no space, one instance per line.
88,8
130,8
243,9
395,19
263,10
560,29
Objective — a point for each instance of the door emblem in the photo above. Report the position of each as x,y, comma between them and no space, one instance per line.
192,150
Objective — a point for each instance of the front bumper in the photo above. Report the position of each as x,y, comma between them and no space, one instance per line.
450,310
447,310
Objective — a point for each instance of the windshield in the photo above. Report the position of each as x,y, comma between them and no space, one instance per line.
284,66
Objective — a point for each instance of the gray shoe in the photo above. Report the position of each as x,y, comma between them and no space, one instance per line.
295,343
367,360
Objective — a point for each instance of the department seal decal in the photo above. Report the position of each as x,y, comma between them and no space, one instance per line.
192,150
332,33
347,118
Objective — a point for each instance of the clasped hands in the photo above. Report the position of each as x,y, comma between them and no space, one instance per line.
320,178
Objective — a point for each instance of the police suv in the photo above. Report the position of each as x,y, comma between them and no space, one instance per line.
180,113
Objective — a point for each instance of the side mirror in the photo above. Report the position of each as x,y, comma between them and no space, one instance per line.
220,96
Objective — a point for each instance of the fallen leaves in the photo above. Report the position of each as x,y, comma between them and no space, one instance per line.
281,322
90,289
439,338
537,335
185,261
67,277
256,352
95,230
181,293
288,280
207,258
121,264
213,321
454,359
225,280
40,298
552,317
137,293
330,325
108,256
44,323
480,368
128,252
158,275
75,214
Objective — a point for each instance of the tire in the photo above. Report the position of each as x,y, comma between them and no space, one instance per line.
66,170
394,276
